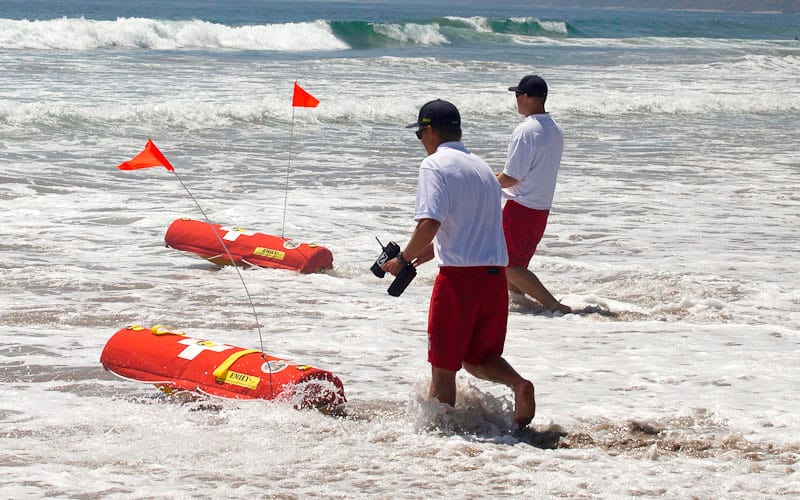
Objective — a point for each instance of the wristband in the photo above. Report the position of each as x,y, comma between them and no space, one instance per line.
401,260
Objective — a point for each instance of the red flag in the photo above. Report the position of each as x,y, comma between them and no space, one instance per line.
303,99
149,157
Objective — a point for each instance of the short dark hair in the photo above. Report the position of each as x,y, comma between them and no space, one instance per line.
447,133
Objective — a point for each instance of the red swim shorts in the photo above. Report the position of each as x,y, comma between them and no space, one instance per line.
467,316
524,228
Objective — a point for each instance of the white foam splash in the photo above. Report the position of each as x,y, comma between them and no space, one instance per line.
85,34
422,34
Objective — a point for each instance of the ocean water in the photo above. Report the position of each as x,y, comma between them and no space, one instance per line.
674,235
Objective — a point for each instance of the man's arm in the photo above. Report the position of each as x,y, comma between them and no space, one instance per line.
505,180
420,246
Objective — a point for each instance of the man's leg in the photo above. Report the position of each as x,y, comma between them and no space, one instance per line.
496,369
522,280
443,385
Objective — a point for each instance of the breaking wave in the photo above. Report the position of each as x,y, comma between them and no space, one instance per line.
320,35
140,33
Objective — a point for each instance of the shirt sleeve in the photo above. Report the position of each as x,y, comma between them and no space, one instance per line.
521,153
432,198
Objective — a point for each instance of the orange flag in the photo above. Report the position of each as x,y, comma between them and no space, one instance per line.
303,99
149,157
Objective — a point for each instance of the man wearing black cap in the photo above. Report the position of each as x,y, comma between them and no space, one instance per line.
458,216
529,182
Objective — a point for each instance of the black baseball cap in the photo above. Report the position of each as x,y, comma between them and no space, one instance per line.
533,85
437,113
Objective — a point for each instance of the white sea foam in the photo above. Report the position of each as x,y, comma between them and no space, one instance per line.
558,27
478,23
675,90
422,34
86,34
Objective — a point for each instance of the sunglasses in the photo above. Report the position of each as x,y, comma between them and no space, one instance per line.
518,93
419,132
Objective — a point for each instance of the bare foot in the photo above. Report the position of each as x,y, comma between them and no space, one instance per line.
559,307
524,403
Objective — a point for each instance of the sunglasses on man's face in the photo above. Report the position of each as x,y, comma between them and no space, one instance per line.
518,93
419,132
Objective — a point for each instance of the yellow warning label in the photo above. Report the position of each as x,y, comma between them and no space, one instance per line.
269,253
242,380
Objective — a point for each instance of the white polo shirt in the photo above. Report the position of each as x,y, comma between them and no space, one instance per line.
458,189
534,155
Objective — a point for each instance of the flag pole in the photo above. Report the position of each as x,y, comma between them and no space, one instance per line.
302,99
288,168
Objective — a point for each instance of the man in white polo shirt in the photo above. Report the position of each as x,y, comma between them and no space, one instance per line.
458,214
529,183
